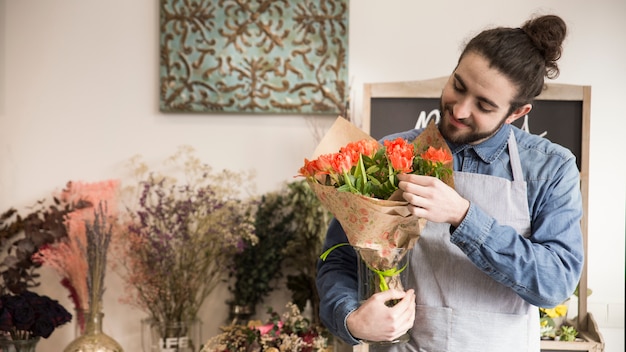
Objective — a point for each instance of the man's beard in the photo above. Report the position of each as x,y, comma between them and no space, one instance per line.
448,130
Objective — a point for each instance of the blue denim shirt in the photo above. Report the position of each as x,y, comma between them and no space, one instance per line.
543,269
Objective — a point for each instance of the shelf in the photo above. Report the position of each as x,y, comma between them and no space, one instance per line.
593,341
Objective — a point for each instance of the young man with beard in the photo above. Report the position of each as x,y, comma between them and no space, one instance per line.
504,241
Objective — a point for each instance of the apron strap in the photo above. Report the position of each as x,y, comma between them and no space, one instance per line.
516,165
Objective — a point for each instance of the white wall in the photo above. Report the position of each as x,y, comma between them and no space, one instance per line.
79,96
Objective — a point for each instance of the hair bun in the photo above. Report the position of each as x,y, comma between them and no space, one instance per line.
547,34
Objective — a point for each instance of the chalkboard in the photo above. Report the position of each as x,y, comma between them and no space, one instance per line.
561,114
558,121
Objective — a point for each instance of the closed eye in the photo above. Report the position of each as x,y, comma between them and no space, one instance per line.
483,104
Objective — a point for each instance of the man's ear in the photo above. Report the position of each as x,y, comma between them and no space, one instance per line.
519,112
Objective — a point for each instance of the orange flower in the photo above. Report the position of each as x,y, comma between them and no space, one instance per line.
342,162
309,169
367,147
400,154
365,167
437,155
325,164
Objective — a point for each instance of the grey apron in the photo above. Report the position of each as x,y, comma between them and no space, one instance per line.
460,308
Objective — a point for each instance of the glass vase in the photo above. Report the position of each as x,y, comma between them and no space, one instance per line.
29,345
171,336
92,338
240,314
381,270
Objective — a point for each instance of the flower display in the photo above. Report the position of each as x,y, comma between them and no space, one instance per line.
25,315
179,237
359,185
558,311
289,332
28,315
552,323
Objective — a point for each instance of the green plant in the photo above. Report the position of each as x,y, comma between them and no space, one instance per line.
576,293
309,223
567,333
259,262
21,236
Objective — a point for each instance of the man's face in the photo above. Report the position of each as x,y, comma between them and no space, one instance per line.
475,102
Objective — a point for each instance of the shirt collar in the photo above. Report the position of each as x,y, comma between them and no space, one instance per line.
488,150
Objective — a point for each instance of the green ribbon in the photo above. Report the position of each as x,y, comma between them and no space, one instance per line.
382,274
324,255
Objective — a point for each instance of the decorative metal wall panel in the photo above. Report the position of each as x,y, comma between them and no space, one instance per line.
254,56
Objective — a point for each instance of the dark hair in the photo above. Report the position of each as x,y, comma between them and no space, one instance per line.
525,55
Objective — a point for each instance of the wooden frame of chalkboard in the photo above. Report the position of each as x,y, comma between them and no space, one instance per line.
561,113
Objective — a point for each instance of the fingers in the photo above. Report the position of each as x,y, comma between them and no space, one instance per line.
433,200
391,295
416,188
418,180
375,321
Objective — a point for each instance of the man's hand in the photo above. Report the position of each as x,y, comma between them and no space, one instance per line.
374,321
433,200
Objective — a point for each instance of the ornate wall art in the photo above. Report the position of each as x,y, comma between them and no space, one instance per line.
254,56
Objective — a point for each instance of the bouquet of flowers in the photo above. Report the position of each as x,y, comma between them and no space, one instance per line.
289,332
359,185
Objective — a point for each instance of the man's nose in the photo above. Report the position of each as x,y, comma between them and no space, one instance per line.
462,109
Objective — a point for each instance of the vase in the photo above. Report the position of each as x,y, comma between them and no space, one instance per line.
79,322
92,338
380,271
28,345
171,336
240,314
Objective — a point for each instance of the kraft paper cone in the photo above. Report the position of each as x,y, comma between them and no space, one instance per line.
369,222
382,225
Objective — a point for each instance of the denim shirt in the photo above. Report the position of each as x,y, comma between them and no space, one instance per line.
543,269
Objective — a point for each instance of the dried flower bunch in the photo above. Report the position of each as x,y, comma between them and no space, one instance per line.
80,259
99,234
289,332
180,236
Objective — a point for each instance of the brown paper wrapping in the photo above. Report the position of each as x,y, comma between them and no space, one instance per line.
382,225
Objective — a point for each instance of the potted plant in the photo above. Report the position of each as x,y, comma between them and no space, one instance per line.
309,222
256,267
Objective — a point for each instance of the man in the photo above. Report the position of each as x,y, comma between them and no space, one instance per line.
505,240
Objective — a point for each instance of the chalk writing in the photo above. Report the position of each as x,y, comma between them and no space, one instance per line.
173,344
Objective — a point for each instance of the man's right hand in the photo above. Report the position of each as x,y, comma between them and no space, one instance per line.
375,321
